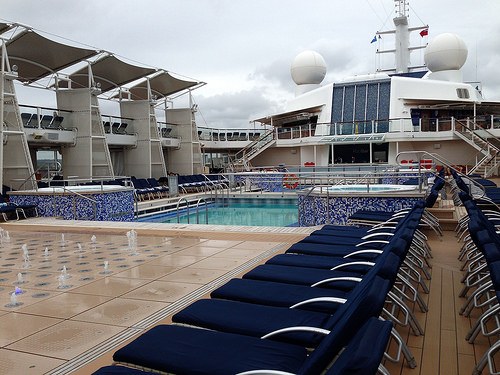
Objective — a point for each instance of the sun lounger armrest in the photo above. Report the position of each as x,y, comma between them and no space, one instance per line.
368,251
320,299
264,372
381,226
360,263
372,235
372,241
333,279
393,219
296,329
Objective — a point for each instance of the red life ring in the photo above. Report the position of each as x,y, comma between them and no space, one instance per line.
290,181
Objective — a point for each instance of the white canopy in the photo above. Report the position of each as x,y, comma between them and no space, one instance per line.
37,57
162,85
109,72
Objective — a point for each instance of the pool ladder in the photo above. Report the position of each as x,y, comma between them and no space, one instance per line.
197,207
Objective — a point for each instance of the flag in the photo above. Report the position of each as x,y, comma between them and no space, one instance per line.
374,39
424,32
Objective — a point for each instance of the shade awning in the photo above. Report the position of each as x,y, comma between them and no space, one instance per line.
4,27
162,85
109,73
37,57
488,105
291,116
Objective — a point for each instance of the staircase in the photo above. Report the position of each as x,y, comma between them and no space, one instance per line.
241,160
483,141
16,168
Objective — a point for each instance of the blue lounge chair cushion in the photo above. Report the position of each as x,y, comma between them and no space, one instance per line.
301,276
339,241
328,249
277,294
7,207
354,232
318,261
365,350
242,318
184,350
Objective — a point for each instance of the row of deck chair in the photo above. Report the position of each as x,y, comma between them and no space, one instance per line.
165,132
299,313
115,127
480,254
234,136
148,188
200,182
11,210
31,120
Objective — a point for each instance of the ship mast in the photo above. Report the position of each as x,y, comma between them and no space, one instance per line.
401,33
402,37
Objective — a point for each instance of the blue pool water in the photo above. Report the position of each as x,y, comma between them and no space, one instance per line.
270,213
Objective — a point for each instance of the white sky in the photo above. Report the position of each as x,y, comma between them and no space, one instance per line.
243,49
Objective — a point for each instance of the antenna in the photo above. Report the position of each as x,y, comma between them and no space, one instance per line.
401,33
401,8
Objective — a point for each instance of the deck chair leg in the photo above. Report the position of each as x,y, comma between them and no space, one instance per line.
410,318
402,349
382,370
487,358
22,211
473,332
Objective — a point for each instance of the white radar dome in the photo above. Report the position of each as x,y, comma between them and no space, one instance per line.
308,68
445,52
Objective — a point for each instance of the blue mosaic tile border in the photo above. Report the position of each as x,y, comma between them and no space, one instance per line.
313,209
110,206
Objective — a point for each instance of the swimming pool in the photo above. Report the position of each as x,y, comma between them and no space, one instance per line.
254,212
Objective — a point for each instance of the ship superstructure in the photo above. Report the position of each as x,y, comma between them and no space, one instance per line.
371,118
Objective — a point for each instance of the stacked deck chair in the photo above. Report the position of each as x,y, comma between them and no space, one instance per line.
314,321
481,256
